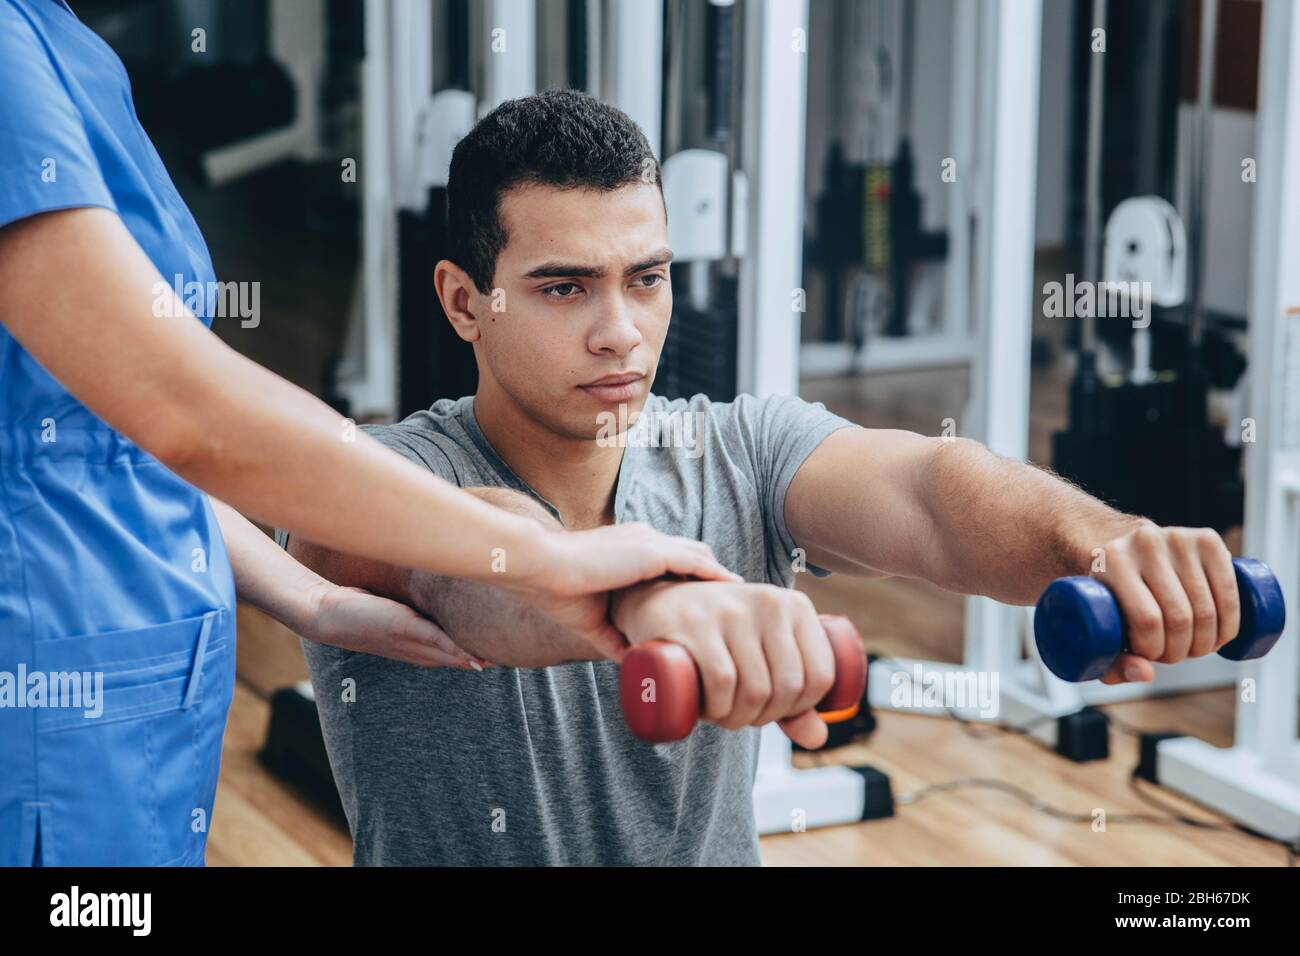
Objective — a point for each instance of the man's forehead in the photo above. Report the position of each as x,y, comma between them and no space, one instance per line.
612,224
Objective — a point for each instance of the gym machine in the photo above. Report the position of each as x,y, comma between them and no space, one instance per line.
894,294
1142,441
869,215
1255,782
998,638
997,53
297,41
705,191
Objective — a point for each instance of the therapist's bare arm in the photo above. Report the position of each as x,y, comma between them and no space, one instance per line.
79,294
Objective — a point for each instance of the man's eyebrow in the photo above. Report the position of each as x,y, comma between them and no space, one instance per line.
568,270
659,258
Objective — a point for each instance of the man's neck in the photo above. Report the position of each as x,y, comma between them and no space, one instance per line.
577,476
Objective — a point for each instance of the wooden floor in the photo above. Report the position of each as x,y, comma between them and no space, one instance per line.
261,821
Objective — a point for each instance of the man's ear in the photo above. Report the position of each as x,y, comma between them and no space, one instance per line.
457,293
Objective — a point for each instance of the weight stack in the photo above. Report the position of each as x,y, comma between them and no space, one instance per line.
699,353
1148,449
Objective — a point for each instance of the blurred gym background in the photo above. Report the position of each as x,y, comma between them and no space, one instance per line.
310,138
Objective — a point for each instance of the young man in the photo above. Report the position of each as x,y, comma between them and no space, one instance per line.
559,278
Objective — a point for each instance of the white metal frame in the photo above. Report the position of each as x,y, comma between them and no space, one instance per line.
513,74
395,170
775,85
633,66
367,377
775,104
1257,780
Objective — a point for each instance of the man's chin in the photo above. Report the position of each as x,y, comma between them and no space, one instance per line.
609,420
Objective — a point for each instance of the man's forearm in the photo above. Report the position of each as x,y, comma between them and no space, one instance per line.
495,625
485,621
1005,528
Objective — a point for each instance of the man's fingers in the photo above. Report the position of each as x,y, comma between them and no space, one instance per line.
1175,610
785,667
1152,554
753,682
806,729
718,674
818,657
1129,668
1142,615
1186,555
1216,560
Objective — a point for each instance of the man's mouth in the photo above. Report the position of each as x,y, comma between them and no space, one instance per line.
616,388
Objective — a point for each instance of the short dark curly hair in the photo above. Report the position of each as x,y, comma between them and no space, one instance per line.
560,138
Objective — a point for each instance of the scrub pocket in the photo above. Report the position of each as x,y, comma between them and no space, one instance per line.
128,778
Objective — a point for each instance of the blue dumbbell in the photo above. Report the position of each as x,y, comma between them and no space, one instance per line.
1080,631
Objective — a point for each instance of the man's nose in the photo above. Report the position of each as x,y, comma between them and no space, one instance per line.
616,332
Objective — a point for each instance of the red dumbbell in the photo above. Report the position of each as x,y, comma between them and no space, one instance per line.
659,684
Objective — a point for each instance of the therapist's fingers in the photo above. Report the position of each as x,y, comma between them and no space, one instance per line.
356,620
431,646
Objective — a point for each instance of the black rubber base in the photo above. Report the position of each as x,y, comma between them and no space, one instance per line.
1083,736
1147,744
878,798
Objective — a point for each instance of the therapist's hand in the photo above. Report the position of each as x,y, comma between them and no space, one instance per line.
578,569
357,620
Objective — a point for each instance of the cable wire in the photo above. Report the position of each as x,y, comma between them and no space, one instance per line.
1171,817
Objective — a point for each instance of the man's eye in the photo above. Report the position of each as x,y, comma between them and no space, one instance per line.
650,280
565,290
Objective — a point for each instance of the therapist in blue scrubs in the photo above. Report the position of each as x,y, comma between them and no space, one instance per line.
114,565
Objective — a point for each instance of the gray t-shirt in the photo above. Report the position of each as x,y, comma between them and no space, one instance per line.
535,766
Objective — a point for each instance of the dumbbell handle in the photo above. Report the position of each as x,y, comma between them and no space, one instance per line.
1080,630
659,684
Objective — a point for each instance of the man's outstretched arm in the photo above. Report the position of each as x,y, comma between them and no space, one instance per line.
876,501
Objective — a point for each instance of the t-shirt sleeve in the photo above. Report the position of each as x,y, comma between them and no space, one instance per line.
423,446
46,161
784,431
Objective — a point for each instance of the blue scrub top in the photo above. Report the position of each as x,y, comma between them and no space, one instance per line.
109,562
